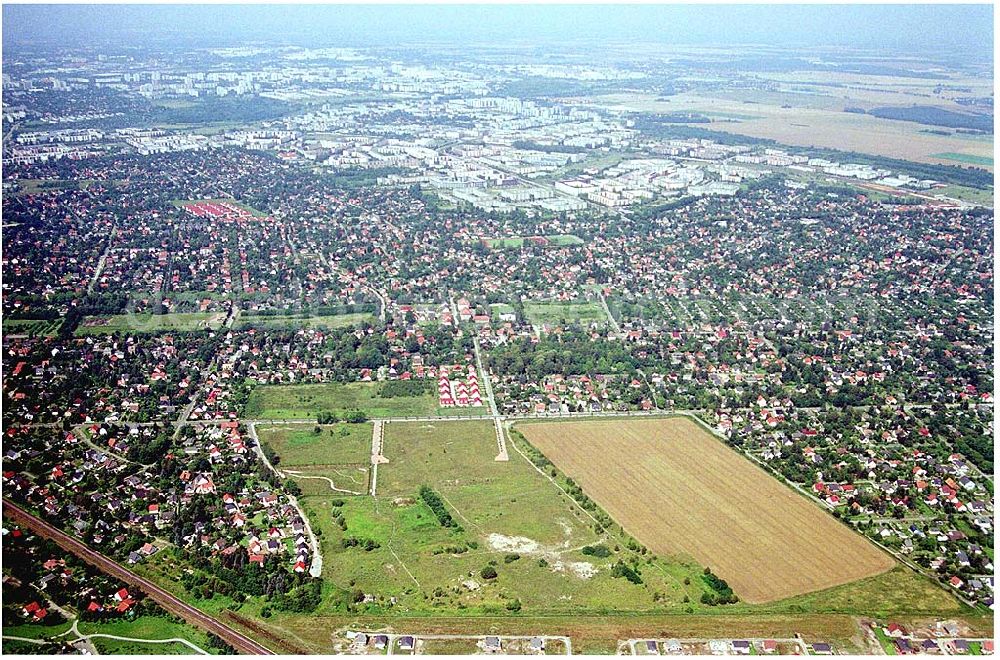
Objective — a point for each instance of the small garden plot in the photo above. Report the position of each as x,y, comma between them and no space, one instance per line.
315,445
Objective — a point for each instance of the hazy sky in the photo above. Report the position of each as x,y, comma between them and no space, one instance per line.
918,28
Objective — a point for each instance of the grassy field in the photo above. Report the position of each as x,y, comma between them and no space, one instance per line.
35,186
966,194
150,323
507,515
31,327
898,592
35,631
306,401
596,161
556,240
582,312
968,159
335,444
681,491
327,322
338,456
107,646
145,627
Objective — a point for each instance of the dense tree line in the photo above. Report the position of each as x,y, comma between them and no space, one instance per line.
433,500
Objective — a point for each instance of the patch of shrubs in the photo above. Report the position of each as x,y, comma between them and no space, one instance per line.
397,388
588,505
305,598
621,569
722,592
488,573
351,417
510,558
451,550
596,550
433,500
365,544
535,456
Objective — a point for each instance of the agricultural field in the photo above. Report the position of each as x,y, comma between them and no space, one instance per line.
806,120
680,491
337,457
325,322
552,312
966,159
502,517
31,327
307,401
150,323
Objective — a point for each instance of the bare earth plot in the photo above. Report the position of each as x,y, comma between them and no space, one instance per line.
680,491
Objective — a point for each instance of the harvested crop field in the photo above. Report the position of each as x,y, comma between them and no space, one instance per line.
680,491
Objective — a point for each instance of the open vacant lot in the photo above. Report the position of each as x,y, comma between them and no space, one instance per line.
326,321
147,323
680,491
554,312
552,240
306,401
334,459
508,517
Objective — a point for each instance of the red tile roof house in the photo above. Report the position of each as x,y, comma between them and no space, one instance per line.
895,630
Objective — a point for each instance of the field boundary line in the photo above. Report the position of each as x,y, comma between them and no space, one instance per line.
556,484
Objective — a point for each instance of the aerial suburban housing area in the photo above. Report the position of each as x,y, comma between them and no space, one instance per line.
325,335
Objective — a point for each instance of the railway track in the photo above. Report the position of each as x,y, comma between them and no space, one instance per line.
163,598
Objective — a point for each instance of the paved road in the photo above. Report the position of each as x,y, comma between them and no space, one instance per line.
165,599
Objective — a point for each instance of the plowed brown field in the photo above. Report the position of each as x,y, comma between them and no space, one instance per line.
680,491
